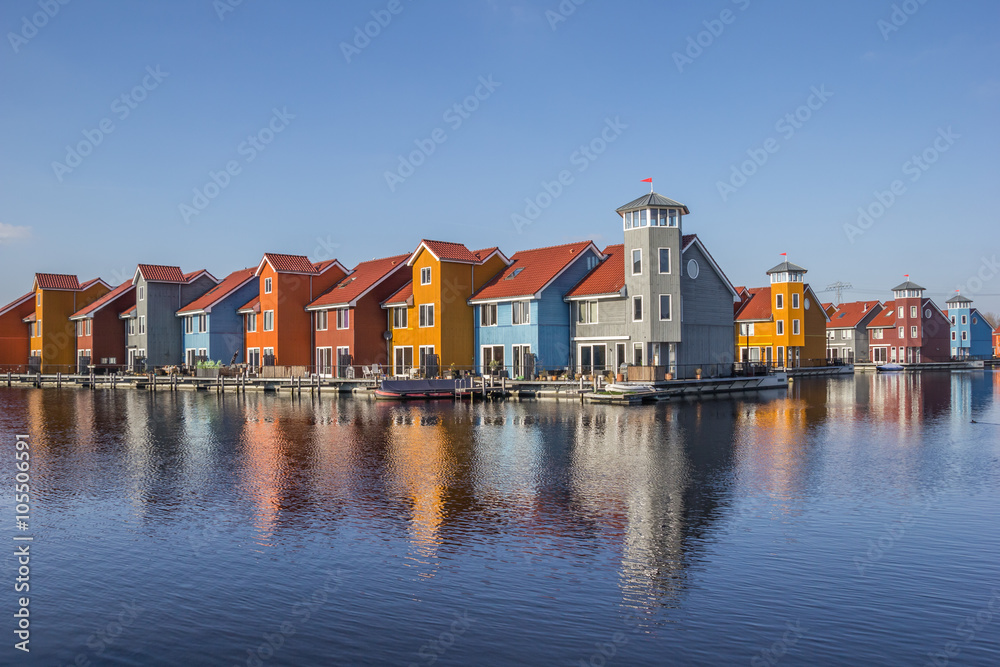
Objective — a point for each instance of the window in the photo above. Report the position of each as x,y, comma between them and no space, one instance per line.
253,357
322,320
267,285
425,275
38,299
637,309
693,269
953,337
665,307
520,312
343,318
428,360
899,312
189,324
141,353
268,321
252,324
913,332
795,328
877,334
87,328
637,354
268,356
492,358
664,260
586,312
780,324
965,335
402,360
913,311
637,262
488,315
142,324
845,334
795,300
673,217
902,332
141,292
746,329
203,353
953,320
427,315
779,301
131,327
399,318
965,319
203,323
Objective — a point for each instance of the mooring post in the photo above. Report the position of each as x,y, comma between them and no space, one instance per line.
152,379
8,378
38,379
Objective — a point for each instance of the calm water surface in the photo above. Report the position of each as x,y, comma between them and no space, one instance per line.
843,522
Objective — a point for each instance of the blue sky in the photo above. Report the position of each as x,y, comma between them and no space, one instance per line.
683,93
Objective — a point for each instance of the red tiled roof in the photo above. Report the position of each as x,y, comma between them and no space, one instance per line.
16,302
162,274
607,277
253,304
30,318
188,277
290,263
484,253
757,307
92,281
229,284
103,301
324,265
887,318
849,315
530,271
127,311
58,281
401,297
450,252
826,305
362,278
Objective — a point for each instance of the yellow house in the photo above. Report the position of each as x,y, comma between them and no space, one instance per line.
783,325
52,334
430,323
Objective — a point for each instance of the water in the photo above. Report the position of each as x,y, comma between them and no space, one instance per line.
843,522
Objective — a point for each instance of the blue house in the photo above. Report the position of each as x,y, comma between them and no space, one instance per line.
522,322
971,334
212,329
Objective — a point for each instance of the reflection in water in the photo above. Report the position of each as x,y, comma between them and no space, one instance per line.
607,507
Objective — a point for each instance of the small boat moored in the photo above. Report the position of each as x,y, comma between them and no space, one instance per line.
403,390
889,368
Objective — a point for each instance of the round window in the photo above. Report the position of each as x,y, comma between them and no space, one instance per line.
927,313
806,304
975,320
693,269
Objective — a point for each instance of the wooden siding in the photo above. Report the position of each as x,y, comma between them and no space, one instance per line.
14,342
57,341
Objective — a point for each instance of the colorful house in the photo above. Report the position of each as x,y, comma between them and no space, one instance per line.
659,301
53,334
277,328
522,322
430,321
14,337
154,332
911,329
784,324
996,343
211,329
100,337
348,320
971,333
847,331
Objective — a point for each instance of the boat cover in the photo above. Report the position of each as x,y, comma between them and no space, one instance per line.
418,386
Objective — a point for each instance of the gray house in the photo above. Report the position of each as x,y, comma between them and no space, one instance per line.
659,301
847,331
154,336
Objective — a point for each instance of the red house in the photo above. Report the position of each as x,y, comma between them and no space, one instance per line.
101,339
911,329
348,320
14,338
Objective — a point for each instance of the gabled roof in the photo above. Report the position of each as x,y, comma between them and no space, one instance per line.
689,240
402,297
786,267
445,251
191,277
531,271
251,306
364,277
57,281
128,312
229,284
94,281
651,199
30,318
850,315
826,306
758,307
887,318
908,285
296,264
159,273
608,277
91,310
16,302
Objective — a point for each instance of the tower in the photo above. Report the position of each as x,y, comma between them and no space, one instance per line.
909,298
652,227
960,316
788,308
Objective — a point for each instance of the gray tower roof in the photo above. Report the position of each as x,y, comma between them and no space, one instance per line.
958,298
908,285
652,199
786,267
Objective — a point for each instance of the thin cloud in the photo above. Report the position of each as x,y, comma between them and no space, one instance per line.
10,233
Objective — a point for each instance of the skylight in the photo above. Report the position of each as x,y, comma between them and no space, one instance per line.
514,273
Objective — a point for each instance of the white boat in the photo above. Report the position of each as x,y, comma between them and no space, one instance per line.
629,387
888,368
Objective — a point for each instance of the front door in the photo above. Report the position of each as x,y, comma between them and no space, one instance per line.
324,361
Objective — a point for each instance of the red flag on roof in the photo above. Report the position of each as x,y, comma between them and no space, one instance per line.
646,180
784,254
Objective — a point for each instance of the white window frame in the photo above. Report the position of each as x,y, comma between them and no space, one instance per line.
203,323
400,318
796,327
488,315
252,324
524,307
425,321
965,335
142,325
189,324
779,327
131,326
141,292
590,307
902,333
899,311
965,319
659,261
268,314
913,311
322,320
913,332
343,318
634,251
795,300
779,301
638,299
638,354
425,275
267,286
670,307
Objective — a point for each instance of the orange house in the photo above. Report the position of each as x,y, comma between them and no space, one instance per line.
14,346
277,328
430,321
53,334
